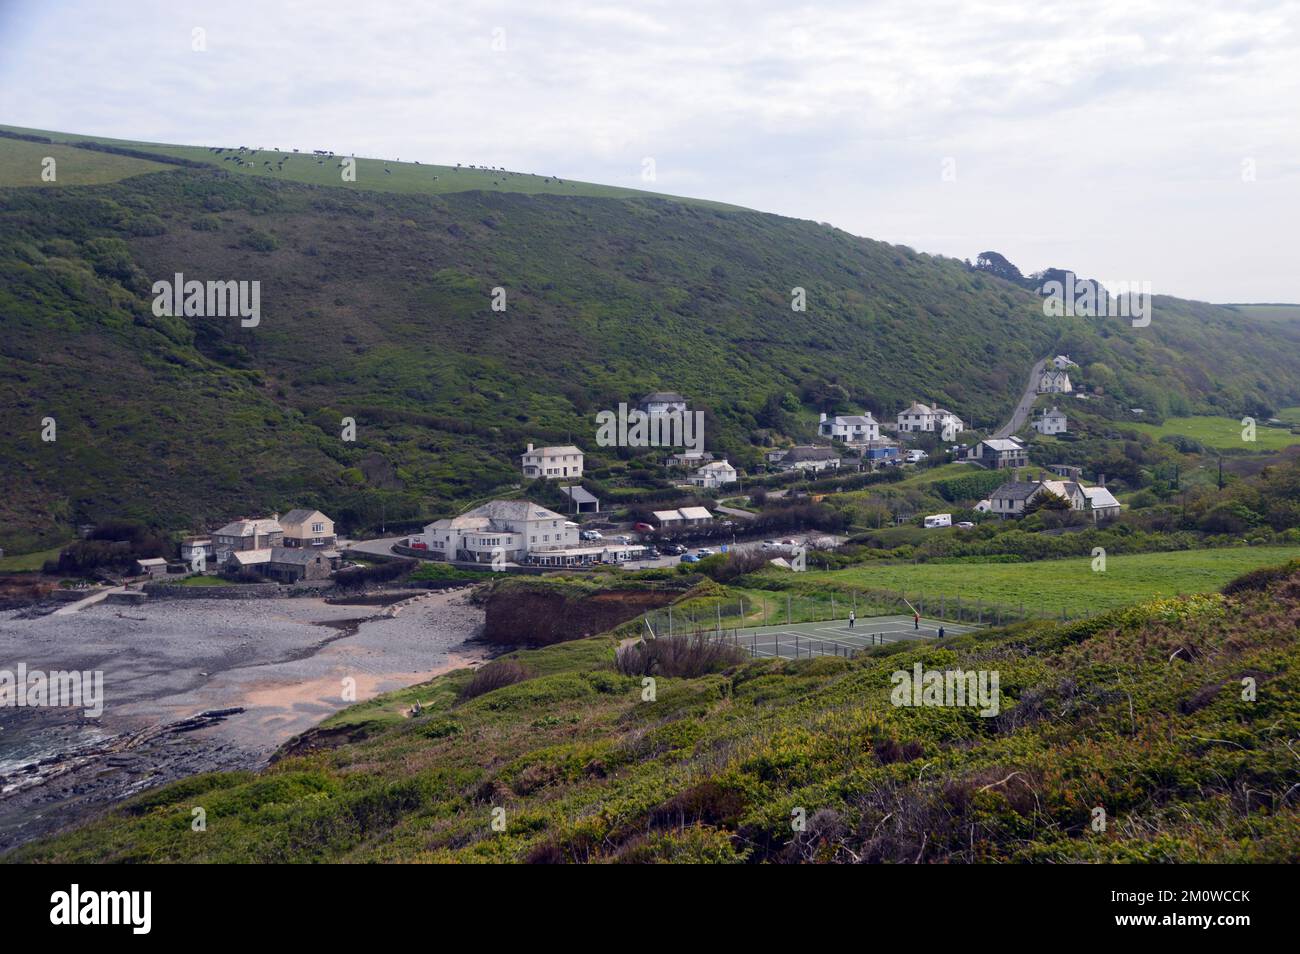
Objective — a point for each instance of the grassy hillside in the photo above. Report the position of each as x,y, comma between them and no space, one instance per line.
374,175
1220,433
1055,585
22,163
1142,714
377,306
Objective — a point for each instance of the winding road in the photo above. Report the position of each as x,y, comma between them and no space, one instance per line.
1026,405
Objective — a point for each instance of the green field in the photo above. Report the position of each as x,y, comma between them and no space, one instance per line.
377,175
21,165
1056,585
28,562
1221,433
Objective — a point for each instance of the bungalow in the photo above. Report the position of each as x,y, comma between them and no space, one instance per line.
998,453
547,462
247,534
513,529
1051,422
689,459
662,402
685,517
308,528
1101,503
153,566
1054,381
851,429
716,474
292,564
809,458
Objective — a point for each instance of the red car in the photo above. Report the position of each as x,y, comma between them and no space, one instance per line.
643,528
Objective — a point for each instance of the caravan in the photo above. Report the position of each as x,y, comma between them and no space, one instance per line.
938,520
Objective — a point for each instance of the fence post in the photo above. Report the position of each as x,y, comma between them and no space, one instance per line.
787,613
981,610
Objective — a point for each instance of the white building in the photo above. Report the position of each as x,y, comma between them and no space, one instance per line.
662,402
1062,361
718,473
922,417
512,529
851,428
812,458
1051,422
1054,381
548,462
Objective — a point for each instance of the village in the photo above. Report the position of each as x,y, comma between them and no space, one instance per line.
301,549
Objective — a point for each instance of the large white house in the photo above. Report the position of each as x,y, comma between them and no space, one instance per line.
922,417
1011,499
512,528
1062,361
850,428
1051,422
1054,381
548,462
718,473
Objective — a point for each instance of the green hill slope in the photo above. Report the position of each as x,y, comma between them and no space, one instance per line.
376,175
378,306
1169,723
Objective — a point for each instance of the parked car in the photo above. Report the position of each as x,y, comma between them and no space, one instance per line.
651,553
690,558
419,546
590,535
771,545
965,524
705,551
643,527
673,549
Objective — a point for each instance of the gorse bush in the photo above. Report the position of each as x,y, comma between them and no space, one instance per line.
495,675
687,656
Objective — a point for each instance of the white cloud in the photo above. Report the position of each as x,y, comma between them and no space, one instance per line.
1107,137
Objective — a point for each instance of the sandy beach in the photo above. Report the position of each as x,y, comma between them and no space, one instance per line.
287,663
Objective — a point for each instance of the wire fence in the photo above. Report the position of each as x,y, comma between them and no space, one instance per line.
776,608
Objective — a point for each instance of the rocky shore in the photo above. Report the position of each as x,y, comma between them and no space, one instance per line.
202,685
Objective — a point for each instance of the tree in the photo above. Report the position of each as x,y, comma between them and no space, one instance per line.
997,265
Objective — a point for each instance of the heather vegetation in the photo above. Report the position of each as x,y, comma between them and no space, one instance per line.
376,306
1170,721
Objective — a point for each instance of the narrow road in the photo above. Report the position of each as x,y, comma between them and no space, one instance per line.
1026,405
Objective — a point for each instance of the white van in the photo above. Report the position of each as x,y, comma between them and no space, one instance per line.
938,520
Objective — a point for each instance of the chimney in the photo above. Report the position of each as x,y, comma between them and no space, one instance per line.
822,418
530,448
1042,475
1101,480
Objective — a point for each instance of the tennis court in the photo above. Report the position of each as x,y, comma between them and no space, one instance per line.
837,638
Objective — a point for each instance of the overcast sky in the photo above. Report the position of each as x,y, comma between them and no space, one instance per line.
1115,137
